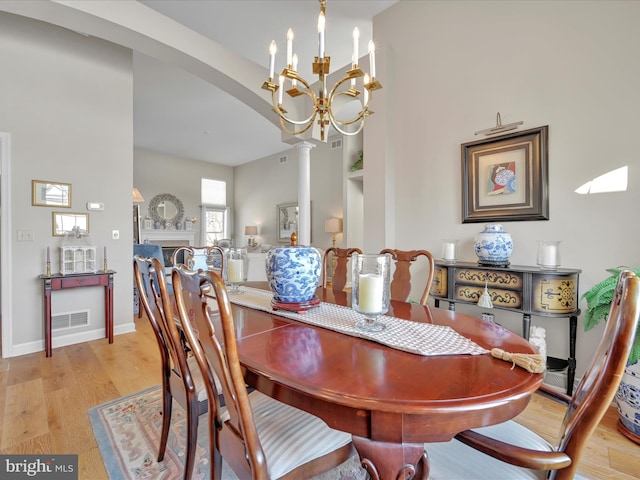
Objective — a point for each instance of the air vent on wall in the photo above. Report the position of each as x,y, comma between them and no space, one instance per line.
283,159
336,143
63,321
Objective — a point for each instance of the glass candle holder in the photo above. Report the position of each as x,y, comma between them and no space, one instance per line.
548,254
450,250
370,293
235,268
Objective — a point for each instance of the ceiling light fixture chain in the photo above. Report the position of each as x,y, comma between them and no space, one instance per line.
322,104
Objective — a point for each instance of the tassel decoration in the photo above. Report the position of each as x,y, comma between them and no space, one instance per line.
531,362
485,299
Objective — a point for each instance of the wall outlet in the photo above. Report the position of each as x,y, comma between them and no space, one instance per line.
25,235
115,234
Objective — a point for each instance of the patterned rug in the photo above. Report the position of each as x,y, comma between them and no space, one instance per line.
128,432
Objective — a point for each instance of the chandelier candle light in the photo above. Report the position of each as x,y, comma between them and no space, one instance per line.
321,102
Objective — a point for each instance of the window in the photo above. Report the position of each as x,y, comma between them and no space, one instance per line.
215,224
215,213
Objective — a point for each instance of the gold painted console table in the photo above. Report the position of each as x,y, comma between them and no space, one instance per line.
525,289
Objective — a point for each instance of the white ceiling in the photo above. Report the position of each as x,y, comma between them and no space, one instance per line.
178,114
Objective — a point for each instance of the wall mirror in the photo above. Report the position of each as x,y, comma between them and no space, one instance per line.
66,222
166,209
287,218
50,194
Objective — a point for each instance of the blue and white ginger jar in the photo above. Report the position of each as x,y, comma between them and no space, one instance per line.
493,245
628,399
293,272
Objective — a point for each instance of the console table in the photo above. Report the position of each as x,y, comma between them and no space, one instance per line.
62,282
526,289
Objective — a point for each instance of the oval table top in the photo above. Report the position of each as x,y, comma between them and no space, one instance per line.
346,380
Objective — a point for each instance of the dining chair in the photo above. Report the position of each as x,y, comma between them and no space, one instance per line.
401,281
509,450
181,377
339,274
259,437
199,258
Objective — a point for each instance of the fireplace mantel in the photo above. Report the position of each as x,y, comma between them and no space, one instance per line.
172,238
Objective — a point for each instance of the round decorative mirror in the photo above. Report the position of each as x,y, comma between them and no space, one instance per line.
166,209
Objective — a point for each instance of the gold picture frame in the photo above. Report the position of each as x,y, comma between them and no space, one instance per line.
50,194
506,178
65,222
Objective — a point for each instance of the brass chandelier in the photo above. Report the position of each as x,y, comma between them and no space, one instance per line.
320,101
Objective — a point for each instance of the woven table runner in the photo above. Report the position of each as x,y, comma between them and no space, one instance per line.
414,337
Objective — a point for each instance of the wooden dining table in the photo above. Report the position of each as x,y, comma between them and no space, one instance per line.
391,401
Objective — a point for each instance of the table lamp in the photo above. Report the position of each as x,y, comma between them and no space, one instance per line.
251,230
333,226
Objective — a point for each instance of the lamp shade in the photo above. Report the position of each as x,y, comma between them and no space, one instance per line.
137,196
333,225
251,230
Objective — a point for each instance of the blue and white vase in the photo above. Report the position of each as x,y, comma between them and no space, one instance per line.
628,399
493,245
293,272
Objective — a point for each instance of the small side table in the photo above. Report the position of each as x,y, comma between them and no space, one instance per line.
101,278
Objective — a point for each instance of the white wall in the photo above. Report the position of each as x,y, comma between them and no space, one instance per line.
265,183
155,173
447,68
67,103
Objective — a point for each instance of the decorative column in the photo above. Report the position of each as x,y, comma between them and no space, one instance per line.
304,192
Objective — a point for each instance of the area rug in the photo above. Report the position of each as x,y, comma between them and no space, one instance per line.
128,433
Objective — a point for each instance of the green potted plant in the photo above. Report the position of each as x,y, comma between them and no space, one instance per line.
598,300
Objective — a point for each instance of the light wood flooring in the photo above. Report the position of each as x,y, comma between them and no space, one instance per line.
44,404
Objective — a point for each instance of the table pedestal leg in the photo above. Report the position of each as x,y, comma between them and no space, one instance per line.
394,461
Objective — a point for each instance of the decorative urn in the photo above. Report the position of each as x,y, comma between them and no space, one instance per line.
493,246
293,273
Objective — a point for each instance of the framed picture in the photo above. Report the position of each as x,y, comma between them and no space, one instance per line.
287,218
64,223
50,194
505,178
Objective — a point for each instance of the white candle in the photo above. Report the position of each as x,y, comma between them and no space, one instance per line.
321,22
294,82
370,293
366,90
105,253
234,270
548,257
289,47
272,58
449,251
372,58
356,36
48,255
281,89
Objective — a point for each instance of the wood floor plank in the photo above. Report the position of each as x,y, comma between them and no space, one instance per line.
26,408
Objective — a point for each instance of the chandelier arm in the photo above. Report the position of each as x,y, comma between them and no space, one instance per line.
344,132
336,121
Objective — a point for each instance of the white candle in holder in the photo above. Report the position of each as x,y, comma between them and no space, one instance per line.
548,255
234,270
370,293
449,250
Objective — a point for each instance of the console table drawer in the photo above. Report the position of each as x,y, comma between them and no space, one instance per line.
89,281
439,284
555,294
500,297
501,279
